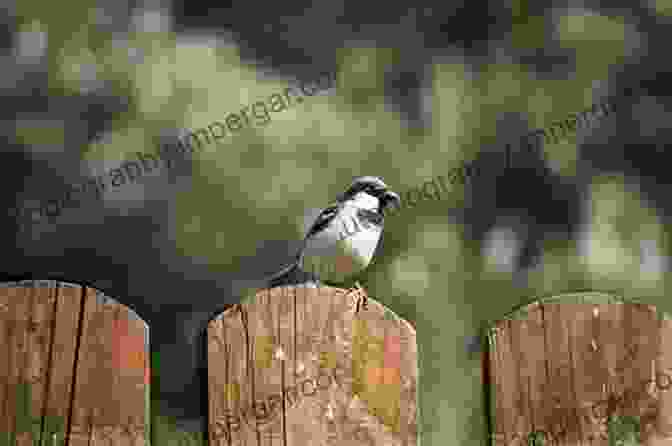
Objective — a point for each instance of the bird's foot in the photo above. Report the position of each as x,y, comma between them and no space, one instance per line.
359,296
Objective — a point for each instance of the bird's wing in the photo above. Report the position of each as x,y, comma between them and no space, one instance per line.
322,221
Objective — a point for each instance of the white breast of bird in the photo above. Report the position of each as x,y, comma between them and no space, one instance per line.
347,246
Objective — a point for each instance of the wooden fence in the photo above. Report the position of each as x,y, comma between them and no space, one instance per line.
304,366
74,367
581,371
294,366
308,366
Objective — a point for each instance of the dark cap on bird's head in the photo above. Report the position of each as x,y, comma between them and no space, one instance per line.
370,180
371,185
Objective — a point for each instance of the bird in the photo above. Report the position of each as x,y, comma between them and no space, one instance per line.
331,252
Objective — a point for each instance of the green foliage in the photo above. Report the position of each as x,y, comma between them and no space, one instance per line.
623,431
536,438
164,430
262,178
166,433
54,426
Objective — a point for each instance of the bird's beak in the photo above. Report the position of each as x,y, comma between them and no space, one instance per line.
390,197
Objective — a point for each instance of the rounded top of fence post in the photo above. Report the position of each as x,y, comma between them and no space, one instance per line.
101,297
29,283
315,344
580,297
326,295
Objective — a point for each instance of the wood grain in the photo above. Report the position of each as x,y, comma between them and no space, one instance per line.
73,367
563,369
298,366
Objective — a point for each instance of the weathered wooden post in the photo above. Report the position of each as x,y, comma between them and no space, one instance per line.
300,366
662,434
73,367
582,369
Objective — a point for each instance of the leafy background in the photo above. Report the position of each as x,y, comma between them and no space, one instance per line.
420,88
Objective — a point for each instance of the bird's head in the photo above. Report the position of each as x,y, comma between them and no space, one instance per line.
373,186
389,198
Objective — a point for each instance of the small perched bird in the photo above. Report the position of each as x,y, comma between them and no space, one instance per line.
331,252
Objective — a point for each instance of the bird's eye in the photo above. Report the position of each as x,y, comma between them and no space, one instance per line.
370,215
372,189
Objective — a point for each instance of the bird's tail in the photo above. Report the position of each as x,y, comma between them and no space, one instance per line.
285,271
293,274
290,270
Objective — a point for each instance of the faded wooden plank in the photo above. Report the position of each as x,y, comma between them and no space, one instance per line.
497,427
236,367
609,338
225,394
278,322
239,370
16,404
94,377
631,345
533,370
281,304
595,360
112,373
312,327
664,378
258,346
39,330
265,331
218,405
23,414
517,422
61,364
647,337
86,387
22,332
34,362
564,331
132,353
25,433
6,342
112,337
500,426
108,345
10,360
588,383
40,348
518,330
6,422
640,401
